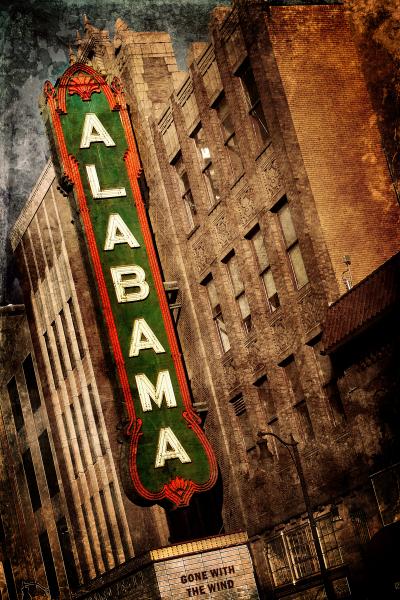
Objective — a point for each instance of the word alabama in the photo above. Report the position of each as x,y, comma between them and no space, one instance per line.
169,456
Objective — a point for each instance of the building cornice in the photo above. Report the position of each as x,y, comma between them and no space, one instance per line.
42,185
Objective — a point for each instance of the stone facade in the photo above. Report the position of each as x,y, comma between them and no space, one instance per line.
263,169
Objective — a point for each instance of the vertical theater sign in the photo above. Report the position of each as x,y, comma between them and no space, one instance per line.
169,457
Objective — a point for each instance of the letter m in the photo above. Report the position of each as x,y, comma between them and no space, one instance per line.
148,393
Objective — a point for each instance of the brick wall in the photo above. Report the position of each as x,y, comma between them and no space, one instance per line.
337,134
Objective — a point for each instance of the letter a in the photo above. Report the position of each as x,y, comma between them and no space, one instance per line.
143,337
92,123
176,450
118,232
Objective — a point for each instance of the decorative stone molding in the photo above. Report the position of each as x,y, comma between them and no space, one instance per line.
44,182
223,230
282,335
201,254
311,309
230,371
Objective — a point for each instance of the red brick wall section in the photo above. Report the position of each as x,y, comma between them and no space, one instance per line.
337,133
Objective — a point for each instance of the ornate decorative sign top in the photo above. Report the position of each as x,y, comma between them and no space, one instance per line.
170,457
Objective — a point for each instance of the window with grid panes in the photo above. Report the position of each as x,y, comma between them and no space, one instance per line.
330,548
292,555
278,561
292,245
229,136
255,108
238,290
187,197
217,314
302,551
207,167
260,251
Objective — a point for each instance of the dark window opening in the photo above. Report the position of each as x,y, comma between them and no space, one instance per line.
15,402
31,383
255,108
49,567
31,480
239,292
217,314
229,136
48,463
67,553
9,576
264,268
293,250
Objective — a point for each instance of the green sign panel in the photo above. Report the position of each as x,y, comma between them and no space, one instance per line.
170,457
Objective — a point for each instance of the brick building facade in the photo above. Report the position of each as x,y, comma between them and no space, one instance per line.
270,199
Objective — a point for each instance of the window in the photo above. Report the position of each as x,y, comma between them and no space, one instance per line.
256,111
239,406
67,553
278,560
15,402
304,419
187,198
49,565
9,577
300,406
31,382
48,463
330,549
292,245
302,551
264,269
265,396
31,480
292,554
229,137
217,314
206,165
335,403
76,328
238,290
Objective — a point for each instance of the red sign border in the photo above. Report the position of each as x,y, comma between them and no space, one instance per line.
179,490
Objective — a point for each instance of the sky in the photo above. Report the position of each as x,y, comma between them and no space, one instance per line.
34,40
